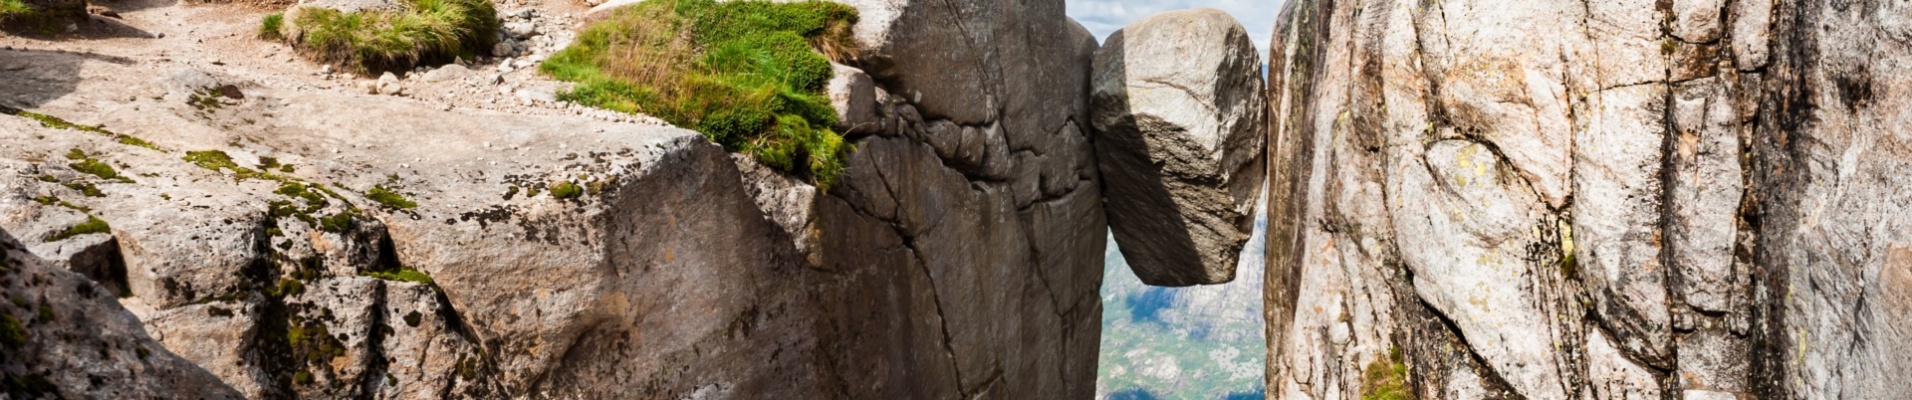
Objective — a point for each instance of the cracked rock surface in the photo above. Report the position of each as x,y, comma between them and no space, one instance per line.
1179,115
287,237
1590,199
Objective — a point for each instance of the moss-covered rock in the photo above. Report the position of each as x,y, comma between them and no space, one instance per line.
747,74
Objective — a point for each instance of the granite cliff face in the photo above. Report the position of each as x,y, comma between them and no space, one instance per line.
294,237
1590,199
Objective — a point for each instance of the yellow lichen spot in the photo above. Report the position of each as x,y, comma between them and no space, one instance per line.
1566,237
1802,347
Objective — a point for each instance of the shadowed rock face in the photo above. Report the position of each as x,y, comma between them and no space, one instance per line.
1178,117
1562,199
63,336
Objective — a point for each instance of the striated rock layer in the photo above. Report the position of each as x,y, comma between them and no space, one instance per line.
1590,199
298,242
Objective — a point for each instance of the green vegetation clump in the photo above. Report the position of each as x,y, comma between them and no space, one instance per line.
422,31
1568,266
90,166
19,14
1386,379
402,275
747,74
272,27
286,287
566,190
339,223
92,225
12,333
10,9
389,198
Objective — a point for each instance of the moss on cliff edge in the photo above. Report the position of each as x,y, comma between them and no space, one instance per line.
747,74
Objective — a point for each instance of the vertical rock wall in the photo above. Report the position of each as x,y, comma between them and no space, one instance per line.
320,244
1589,199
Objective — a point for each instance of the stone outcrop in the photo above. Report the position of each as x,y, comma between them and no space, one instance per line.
1609,199
1178,118
298,242
62,336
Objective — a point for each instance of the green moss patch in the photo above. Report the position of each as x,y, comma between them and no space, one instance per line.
1386,379
87,165
422,31
92,225
55,201
746,74
12,333
58,123
390,199
403,275
566,190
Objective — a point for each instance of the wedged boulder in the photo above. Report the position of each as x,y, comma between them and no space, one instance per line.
1178,116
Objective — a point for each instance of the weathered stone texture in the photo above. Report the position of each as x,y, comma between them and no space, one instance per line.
62,336
322,244
1178,115
1604,199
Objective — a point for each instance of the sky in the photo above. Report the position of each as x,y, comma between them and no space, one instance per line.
1105,16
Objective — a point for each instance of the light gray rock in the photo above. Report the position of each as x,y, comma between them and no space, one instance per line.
65,337
1752,32
1612,376
389,85
1616,217
449,73
1698,198
1705,193
853,95
1698,21
666,268
1178,117
1478,223
504,48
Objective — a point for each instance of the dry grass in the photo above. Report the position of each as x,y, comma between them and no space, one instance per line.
423,32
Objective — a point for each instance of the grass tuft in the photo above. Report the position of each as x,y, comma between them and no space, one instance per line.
1386,379
19,14
10,9
422,31
272,27
747,74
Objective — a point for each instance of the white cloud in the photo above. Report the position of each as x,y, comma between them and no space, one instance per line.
1105,16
